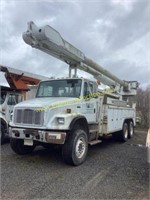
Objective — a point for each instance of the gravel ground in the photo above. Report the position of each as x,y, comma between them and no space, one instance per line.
112,171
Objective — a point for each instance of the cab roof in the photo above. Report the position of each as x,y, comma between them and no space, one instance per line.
68,78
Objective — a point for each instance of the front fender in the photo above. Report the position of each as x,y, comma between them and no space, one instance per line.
77,119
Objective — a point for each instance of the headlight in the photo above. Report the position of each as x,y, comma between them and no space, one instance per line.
60,120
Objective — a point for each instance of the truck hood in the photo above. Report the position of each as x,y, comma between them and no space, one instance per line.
46,101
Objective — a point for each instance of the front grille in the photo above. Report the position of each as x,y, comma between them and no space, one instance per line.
28,116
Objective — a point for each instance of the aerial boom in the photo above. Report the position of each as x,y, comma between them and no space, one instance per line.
50,41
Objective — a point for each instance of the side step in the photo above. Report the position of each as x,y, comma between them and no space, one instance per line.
94,142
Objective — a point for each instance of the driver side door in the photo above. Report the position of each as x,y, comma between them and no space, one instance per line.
89,104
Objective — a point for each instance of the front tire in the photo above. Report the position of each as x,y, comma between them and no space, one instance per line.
18,147
75,149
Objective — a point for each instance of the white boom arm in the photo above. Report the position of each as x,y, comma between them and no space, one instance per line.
50,41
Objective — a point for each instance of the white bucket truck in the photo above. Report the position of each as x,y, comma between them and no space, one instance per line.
71,112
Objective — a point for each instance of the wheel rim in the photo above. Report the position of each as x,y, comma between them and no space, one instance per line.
80,147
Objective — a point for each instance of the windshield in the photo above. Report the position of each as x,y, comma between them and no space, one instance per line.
60,88
2,97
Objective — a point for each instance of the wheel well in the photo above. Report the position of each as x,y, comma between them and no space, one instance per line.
81,122
128,121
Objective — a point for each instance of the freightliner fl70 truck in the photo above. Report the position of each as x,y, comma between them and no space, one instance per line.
71,112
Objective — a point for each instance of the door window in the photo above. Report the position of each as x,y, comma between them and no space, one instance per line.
87,91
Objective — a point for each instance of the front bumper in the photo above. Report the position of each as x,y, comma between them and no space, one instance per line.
46,136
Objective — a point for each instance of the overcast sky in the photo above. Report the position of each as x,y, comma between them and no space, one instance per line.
114,33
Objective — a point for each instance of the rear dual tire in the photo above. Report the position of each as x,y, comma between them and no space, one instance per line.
126,133
130,129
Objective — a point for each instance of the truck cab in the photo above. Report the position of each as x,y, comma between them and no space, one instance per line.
56,99
71,90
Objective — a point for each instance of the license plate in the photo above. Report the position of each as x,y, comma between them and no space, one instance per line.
28,142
